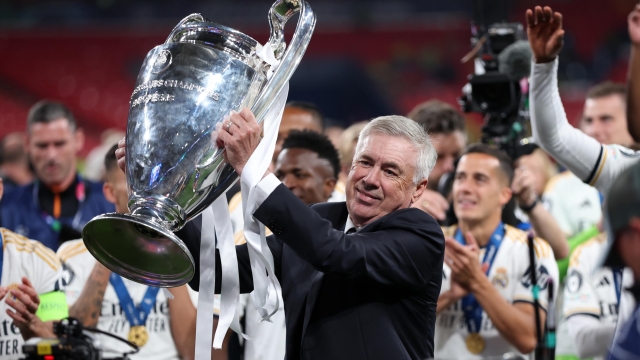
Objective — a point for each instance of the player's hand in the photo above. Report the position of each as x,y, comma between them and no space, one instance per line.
25,301
457,291
523,187
544,29
121,151
433,204
634,25
240,135
464,261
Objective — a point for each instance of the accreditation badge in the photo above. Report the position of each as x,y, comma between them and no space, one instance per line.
475,343
138,335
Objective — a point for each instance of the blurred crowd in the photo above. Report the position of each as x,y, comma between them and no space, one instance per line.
555,194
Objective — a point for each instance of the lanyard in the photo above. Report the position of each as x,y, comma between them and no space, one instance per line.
617,282
55,223
136,315
470,306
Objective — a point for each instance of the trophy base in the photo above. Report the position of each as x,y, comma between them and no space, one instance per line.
139,250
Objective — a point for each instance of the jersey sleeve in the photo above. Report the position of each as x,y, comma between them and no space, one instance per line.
580,296
613,160
76,269
578,152
546,269
46,268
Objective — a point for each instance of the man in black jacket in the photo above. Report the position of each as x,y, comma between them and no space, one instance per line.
361,279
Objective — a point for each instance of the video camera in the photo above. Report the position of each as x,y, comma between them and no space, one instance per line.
495,89
73,342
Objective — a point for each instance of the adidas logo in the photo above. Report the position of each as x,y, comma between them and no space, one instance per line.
604,282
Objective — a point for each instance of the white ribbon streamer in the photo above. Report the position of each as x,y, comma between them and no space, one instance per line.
216,223
204,319
265,283
230,286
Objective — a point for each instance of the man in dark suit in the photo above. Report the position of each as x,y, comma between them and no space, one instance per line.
361,279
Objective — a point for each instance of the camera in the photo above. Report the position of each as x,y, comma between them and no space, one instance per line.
495,89
73,342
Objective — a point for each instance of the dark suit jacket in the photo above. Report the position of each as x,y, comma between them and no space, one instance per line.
368,295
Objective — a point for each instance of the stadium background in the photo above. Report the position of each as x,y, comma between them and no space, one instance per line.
366,58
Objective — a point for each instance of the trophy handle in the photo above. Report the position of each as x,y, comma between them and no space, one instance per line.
280,12
188,19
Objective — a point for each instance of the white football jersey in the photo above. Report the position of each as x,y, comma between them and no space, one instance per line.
78,264
23,258
589,289
510,275
572,203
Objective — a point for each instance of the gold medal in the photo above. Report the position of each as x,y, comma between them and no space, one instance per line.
138,335
475,343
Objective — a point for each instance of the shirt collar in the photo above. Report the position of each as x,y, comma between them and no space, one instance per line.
349,224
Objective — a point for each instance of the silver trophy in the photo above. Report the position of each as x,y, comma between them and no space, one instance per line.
174,170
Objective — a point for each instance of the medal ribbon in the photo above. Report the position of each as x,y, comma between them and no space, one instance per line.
136,315
617,282
470,306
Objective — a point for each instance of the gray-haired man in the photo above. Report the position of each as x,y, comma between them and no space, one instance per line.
360,280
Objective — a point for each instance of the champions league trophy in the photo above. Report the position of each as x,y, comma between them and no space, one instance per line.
174,170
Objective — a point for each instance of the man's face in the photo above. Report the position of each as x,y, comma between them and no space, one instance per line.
381,178
294,119
605,120
309,177
535,165
115,190
480,189
52,149
449,147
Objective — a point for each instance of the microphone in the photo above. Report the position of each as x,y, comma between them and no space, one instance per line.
515,60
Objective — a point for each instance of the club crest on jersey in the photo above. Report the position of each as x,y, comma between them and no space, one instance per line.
542,277
574,282
500,279
12,286
67,275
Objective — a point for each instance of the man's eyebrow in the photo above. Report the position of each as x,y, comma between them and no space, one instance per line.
392,164
364,157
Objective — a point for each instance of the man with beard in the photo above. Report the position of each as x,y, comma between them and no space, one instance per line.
55,207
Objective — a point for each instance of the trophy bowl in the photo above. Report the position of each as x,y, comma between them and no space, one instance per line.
174,170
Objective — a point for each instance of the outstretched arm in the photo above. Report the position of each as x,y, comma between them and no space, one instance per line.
633,78
595,164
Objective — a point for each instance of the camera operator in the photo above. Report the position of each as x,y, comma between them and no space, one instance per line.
99,298
485,305
445,126
29,278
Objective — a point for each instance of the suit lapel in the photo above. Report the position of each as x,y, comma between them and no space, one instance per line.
339,220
